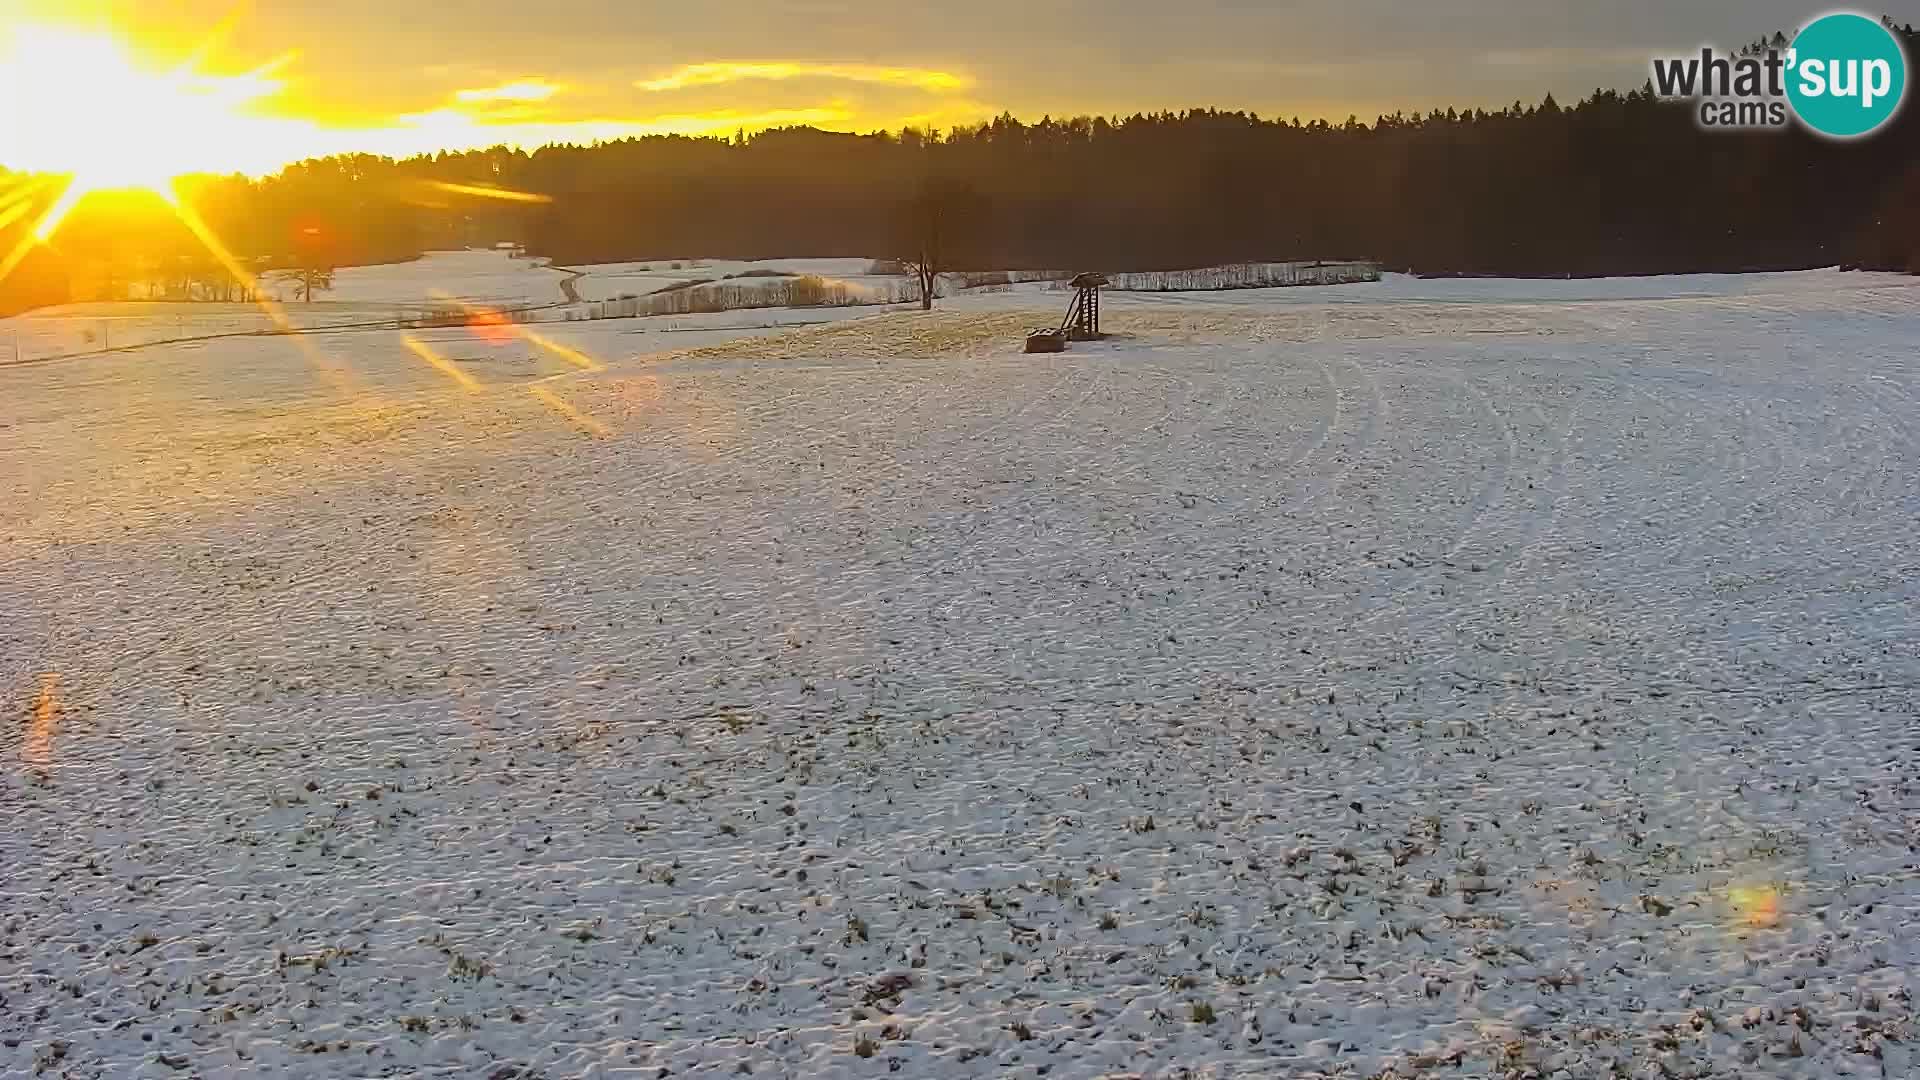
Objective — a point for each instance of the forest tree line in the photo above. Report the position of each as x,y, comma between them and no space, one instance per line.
1618,183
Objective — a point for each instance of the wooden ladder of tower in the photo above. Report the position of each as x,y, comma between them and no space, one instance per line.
1083,318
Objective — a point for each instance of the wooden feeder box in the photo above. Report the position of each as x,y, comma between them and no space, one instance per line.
1047,339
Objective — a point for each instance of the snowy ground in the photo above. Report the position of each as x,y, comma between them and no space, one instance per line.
360,296
609,280
1419,679
377,296
481,277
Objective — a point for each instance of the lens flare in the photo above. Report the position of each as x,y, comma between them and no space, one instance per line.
484,192
487,322
440,363
1758,906
49,221
490,326
38,748
337,374
581,420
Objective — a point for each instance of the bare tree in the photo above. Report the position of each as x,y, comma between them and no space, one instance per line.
935,226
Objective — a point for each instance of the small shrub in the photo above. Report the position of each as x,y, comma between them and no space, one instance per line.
461,966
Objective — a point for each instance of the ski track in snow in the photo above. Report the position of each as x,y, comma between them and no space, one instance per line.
1447,679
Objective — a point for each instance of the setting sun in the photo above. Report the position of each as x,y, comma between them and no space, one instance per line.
112,122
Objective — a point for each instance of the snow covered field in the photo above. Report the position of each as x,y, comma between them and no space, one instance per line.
361,295
1414,679
367,297
480,277
609,280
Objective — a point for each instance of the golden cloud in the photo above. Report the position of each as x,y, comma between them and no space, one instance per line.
715,73
521,90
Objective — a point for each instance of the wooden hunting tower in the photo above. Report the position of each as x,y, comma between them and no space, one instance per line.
1083,317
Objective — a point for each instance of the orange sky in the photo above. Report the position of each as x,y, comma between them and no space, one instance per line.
395,77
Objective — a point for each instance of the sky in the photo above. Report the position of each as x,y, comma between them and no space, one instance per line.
403,76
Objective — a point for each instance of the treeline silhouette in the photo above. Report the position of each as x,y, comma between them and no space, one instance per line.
1618,183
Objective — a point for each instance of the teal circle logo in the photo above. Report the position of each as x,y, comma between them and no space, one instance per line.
1847,75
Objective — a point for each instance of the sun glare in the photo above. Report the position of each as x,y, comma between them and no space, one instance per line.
94,114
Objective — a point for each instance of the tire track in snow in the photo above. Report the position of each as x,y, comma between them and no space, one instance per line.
695,464
1303,455
1492,491
1618,539
968,437
982,531
1556,488
1485,577
1364,441
1734,491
